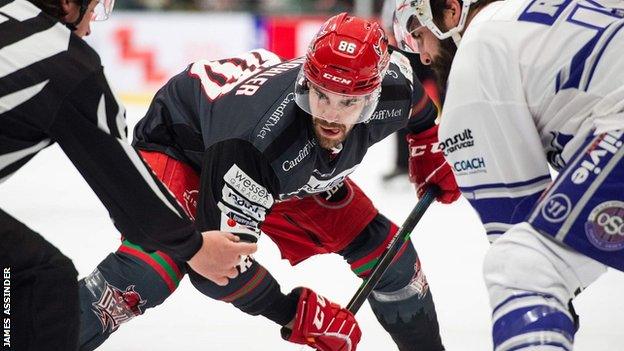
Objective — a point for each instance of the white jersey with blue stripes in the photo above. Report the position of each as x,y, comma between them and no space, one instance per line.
531,79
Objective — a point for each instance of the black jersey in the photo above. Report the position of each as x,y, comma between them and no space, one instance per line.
236,121
53,89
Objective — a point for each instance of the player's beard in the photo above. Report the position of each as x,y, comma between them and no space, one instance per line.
329,135
441,64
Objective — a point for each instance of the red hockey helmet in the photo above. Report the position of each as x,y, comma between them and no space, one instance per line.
348,57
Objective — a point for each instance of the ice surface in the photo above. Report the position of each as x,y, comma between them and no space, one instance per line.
51,197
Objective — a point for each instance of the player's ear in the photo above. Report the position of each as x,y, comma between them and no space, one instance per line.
70,8
452,12
65,5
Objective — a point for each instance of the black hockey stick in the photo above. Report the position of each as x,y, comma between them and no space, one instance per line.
400,238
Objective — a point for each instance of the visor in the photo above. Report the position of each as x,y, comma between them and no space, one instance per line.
334,107
405,34
103,9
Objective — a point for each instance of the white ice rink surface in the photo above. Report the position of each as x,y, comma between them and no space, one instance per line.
50,196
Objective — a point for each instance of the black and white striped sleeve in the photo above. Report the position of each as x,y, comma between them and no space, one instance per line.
26,40
90,128
53,89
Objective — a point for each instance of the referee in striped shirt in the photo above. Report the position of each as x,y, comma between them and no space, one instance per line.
53,90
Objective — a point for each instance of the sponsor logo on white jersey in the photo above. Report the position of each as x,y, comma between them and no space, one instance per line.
458,141
470,166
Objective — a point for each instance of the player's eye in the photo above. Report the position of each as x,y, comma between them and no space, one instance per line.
349,102
320,95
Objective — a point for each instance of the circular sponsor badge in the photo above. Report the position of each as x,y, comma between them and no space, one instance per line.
605,226
556,208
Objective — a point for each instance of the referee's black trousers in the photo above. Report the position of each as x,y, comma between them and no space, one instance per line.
42,308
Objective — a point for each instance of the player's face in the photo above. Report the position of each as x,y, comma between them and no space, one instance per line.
434,52
73,11
335,108
333,115
330,135
424,43
441,64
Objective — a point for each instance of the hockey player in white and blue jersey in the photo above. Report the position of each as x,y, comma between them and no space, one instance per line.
532,83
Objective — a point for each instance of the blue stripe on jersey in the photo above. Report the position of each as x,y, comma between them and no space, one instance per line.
495,210
594,3
577,66
533,14
504,210
579,61
505,185
532,319
601,51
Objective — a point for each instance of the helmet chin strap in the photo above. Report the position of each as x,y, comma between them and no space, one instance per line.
83,9
463,18
456,38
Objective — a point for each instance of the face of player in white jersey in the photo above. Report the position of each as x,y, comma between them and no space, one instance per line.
433,52
433,29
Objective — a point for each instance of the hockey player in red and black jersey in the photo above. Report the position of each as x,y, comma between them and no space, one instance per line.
252,144
53,90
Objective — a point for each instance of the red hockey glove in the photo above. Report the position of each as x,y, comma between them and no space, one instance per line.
322,324
428,166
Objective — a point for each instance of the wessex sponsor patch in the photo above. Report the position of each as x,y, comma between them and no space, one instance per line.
248,187
230,197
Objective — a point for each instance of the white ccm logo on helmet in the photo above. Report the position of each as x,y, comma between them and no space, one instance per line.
337,79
